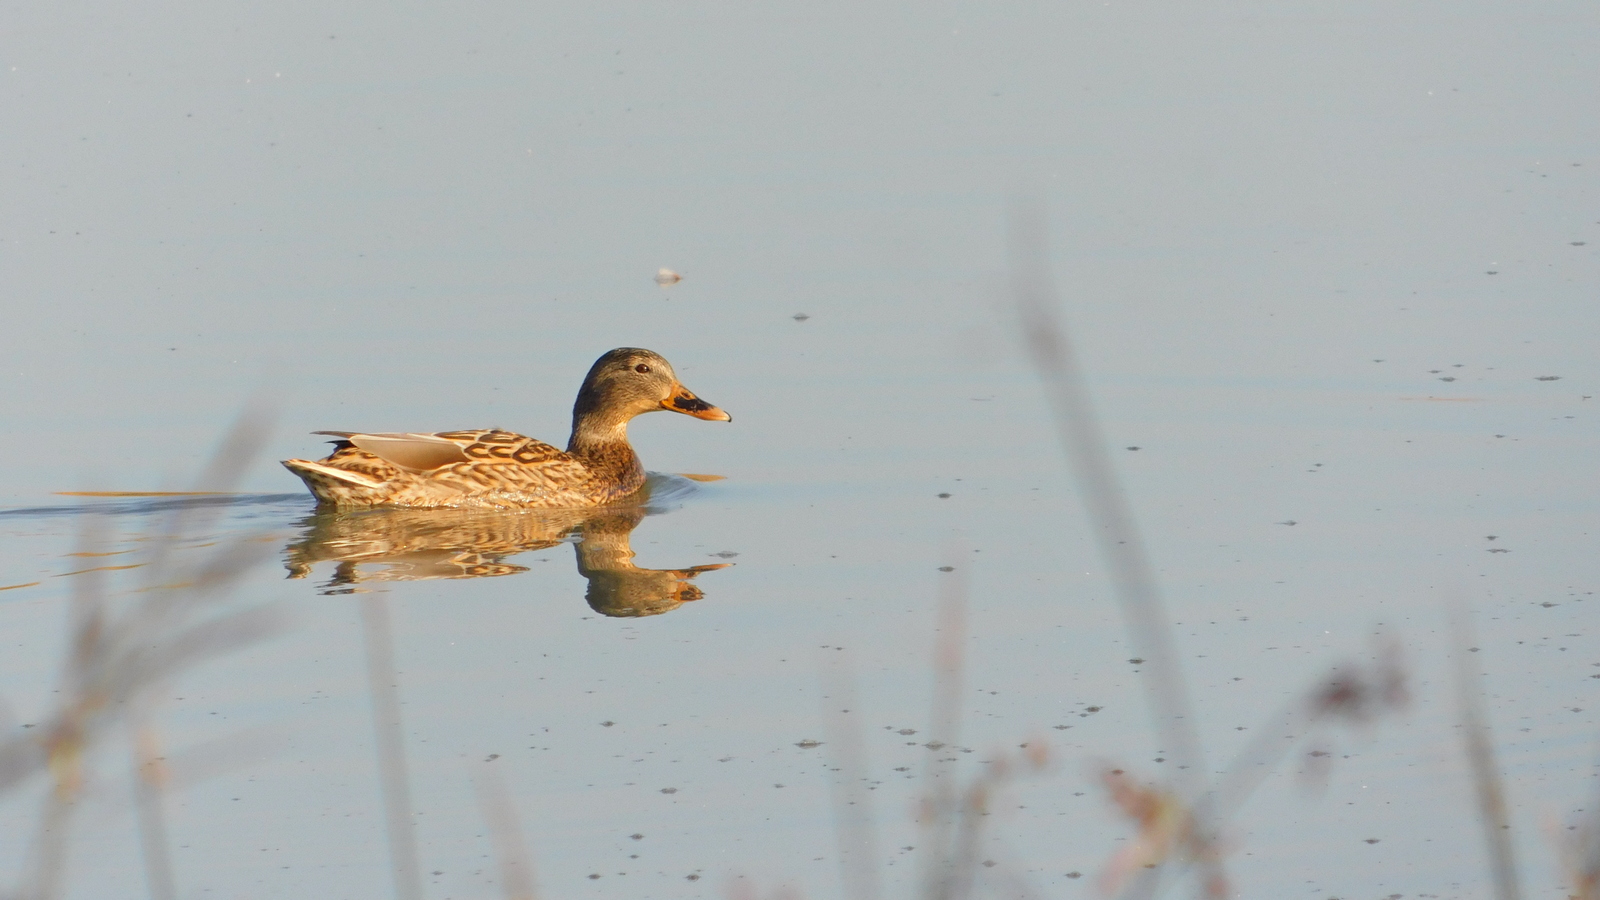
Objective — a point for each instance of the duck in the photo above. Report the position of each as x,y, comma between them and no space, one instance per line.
495,469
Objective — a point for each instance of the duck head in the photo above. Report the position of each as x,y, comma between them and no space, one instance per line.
630,381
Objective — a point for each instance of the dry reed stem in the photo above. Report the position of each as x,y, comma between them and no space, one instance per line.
119,657
1349,693
852,802
388,735
1580,852
149,789
938,818
505,830
1110,517
954,816
1478,742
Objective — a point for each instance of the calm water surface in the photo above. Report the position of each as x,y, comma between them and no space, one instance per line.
1332,277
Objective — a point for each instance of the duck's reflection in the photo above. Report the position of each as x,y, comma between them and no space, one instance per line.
413,544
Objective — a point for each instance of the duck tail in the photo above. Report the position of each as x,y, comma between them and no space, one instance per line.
337,486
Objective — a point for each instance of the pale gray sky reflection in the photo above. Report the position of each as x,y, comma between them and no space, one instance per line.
1315,260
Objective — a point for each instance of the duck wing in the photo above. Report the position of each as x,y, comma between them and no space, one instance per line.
425,452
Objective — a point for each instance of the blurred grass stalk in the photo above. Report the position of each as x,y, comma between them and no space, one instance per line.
945,875
852,802
1181,823
1478,741
123,654
394,780
505,830
1035,302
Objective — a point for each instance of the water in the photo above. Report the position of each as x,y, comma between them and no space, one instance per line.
1276,232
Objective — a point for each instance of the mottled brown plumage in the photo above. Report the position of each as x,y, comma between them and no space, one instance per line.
503,470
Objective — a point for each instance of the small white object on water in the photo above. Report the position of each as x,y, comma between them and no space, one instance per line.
667,278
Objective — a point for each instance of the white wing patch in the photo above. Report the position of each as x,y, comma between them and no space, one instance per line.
417,452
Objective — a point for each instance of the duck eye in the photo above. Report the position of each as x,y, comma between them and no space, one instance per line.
642,369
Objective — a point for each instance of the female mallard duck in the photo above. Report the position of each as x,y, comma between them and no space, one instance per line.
500,469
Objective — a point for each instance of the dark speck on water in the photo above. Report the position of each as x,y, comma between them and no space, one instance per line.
1548,378
944,496
801,317
947,568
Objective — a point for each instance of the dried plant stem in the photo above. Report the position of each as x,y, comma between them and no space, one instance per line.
1479,746
940,817
119,658
389,738
852,803
516,868
50,847
149,789
1110,516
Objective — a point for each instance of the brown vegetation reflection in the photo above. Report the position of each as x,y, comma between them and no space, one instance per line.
377,545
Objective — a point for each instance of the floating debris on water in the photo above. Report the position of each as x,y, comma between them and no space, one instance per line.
801,317
808,743
667,278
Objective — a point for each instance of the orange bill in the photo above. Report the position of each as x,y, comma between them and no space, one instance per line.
684,401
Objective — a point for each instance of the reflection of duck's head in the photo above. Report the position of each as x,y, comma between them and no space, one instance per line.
619,588
628,382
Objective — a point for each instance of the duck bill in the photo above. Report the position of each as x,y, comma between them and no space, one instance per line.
684,401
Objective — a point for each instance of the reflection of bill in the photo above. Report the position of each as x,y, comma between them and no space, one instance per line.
418,544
